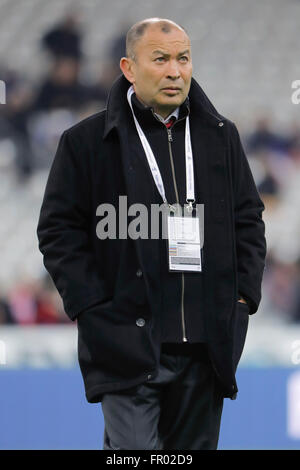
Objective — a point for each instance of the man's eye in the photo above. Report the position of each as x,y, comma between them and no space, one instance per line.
160,59
184,58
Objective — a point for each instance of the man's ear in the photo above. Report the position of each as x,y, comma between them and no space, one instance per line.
126,65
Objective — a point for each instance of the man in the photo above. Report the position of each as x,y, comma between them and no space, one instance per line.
158,343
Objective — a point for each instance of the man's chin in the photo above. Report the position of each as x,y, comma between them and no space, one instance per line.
177,98
171,103
171,95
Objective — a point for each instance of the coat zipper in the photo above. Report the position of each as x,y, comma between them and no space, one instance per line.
170,139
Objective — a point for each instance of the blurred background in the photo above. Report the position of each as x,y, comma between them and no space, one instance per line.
58,60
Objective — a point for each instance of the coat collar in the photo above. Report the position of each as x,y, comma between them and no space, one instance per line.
118,108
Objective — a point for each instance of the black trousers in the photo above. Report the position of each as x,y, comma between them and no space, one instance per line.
179,409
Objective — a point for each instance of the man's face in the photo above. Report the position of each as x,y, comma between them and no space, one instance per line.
162,70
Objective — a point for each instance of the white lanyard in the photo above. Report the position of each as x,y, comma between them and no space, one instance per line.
190,193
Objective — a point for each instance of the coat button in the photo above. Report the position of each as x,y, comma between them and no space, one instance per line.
140,322
139,273
221,124
149,376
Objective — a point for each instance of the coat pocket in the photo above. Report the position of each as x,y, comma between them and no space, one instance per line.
240,331
112,344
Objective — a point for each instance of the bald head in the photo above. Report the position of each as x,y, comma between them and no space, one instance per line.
137,31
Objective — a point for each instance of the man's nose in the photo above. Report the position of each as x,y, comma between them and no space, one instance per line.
173,70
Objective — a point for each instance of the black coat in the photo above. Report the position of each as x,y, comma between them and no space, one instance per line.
107,285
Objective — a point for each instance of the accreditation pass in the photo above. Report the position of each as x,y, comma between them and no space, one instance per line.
184,250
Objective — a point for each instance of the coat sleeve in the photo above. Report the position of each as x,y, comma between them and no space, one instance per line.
63,230
249,227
